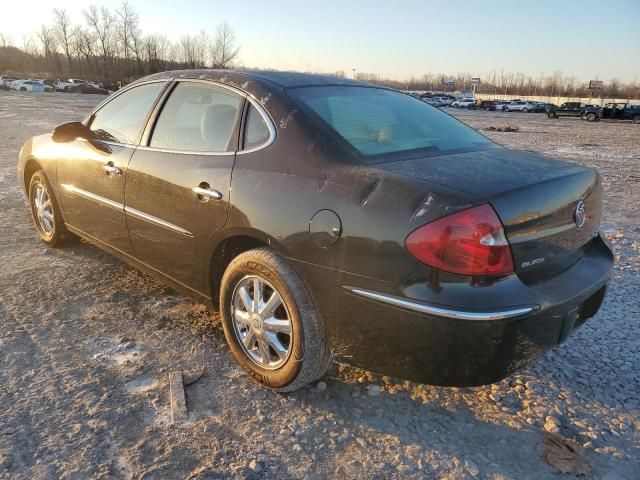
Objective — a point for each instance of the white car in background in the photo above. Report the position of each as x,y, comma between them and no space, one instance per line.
64,85
6,81
436,101
28,86
463,103
519,106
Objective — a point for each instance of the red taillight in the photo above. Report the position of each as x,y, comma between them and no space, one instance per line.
470,242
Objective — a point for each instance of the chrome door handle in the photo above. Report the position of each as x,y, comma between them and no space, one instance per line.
205,193
111,169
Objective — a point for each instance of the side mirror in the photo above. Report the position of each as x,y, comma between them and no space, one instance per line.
68,132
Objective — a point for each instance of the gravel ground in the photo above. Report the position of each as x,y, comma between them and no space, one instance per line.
86,345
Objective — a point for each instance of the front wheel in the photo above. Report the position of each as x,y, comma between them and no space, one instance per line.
591,117
525,110
271,325
551,115
45,211
636,119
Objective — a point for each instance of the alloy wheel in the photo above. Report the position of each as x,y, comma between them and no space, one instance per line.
261,322
43,210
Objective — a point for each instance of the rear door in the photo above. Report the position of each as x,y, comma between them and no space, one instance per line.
92,173
178,182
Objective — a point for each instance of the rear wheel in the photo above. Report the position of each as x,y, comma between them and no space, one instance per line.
552,115
525,110
591,117
636,119
45,211
270,322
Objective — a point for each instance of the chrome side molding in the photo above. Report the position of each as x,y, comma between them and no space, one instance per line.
439,311
124,209
93,197
157,221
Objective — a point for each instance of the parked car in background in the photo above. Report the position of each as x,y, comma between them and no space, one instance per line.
463,103
29,86
538,107
5,80
437,101
613,111
519,106
87,88
5,84
65,85
567,109
406,245
433,101
501,104
483,105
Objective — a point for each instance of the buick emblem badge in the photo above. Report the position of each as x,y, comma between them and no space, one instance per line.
579,215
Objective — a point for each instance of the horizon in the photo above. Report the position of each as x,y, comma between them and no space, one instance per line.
536,40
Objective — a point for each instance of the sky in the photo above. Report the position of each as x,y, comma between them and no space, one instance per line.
588,39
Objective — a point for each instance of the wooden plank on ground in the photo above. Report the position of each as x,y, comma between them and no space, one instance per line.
178,400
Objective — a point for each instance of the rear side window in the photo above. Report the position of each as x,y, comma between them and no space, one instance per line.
379,124
121,119
256,131
197,118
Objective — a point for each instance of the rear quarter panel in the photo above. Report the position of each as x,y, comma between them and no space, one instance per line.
278,190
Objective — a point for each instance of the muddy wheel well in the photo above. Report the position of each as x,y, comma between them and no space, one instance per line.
224,253
30,168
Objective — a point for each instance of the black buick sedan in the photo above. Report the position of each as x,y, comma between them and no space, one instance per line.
330,218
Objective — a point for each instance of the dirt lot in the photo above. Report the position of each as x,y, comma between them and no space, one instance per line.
86,344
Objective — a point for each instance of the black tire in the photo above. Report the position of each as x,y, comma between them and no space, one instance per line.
636,119
591,117
525,110
505,109
309,355
58,235
552,115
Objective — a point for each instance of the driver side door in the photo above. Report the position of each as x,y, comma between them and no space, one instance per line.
92,172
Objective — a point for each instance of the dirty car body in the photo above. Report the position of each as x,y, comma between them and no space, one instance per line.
341,218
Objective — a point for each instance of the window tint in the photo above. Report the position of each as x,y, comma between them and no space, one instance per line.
380,123
256,131
197,118
121,119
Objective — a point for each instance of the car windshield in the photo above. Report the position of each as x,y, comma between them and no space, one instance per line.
381,125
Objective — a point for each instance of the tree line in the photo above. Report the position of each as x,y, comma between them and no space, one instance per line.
554,85
110,46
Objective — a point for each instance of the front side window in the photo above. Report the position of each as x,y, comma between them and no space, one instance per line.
197,118
380,124
121,120
256,131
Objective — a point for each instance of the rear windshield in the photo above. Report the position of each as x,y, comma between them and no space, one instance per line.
382,125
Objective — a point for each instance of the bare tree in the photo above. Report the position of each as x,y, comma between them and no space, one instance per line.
5,41
223,50
64,33
102,22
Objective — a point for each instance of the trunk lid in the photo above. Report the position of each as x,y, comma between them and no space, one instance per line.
535,197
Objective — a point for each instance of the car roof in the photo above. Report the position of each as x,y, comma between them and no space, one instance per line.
281,79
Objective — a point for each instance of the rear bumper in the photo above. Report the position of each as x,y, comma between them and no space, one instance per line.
477,334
